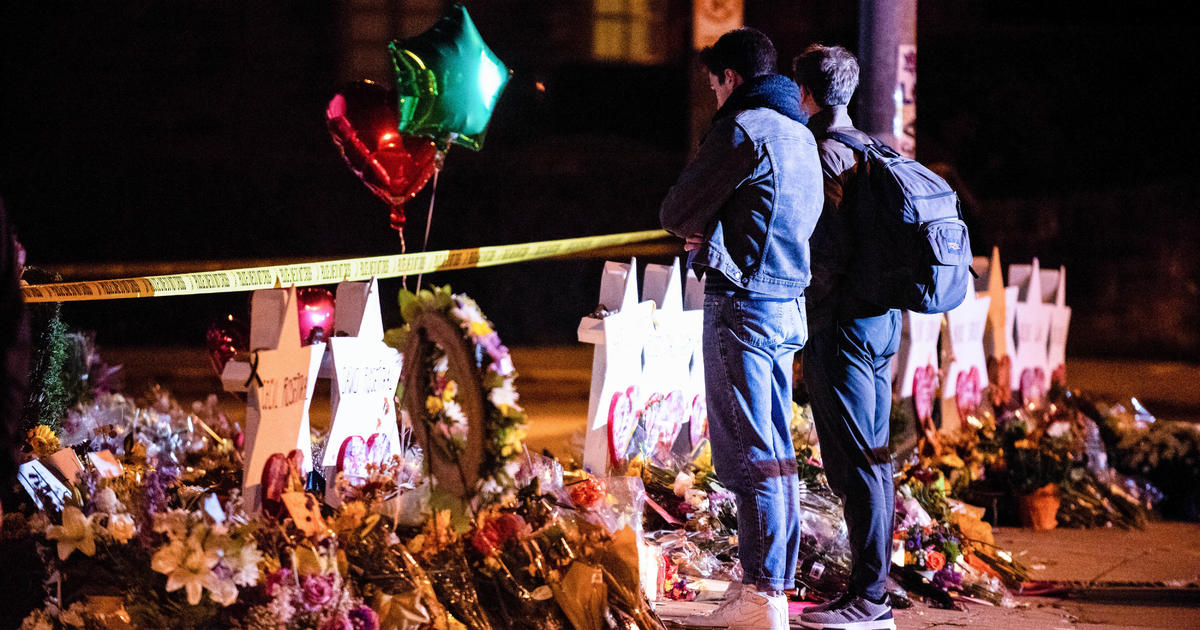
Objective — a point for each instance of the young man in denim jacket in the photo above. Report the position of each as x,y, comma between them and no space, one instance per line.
847,364
746,206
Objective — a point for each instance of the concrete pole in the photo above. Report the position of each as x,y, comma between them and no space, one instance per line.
886,100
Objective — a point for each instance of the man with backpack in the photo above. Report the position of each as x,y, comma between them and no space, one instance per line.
847,360
746,206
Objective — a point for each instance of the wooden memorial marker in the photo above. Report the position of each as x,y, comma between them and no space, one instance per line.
278,387
1030,373
365,372
619,338
999,344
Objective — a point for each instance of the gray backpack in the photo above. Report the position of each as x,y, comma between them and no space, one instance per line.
912,250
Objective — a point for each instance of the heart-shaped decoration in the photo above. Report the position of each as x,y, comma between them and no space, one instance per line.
622,422
1000,381
698,420
664,421
379,447
1032,385
1059,375
395,166
352,459
924,386
968,392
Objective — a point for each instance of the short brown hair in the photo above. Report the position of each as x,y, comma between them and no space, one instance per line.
746,51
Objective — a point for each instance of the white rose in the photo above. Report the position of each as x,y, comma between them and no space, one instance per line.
106,501
121,527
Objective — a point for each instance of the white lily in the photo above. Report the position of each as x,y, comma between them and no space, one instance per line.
188,565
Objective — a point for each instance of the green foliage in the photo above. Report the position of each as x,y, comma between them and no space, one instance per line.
49,392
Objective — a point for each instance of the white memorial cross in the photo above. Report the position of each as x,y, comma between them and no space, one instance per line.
363,424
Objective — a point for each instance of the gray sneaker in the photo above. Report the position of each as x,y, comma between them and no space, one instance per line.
857,613
826,605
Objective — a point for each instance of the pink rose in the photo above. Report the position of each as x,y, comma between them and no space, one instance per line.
316,590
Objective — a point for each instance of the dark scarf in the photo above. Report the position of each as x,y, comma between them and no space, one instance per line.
773,91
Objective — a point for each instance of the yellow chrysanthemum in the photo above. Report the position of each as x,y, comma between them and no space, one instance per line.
42,440
433,405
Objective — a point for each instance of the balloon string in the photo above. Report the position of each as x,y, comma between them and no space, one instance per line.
403,250
428,220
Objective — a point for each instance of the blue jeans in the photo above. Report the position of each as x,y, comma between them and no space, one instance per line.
748,349
847,367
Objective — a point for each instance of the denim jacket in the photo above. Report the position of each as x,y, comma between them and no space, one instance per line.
754,191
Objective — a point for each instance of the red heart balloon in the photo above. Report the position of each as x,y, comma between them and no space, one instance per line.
225,339
395,166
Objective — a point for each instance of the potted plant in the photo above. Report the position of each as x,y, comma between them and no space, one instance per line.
1036,466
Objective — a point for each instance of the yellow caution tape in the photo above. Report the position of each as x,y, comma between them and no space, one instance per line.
328,272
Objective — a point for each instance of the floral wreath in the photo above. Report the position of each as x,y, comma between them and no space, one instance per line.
440,407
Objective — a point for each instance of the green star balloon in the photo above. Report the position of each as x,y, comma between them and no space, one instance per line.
448,81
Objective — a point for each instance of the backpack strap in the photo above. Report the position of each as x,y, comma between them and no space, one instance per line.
847,140
853,143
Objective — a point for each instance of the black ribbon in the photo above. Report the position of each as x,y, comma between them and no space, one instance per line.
254,370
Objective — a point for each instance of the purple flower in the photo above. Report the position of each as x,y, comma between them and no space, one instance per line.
316,590
947,578
364,618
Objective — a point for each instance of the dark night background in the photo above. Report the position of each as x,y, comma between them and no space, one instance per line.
194,130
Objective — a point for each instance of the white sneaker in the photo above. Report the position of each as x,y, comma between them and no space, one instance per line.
744,609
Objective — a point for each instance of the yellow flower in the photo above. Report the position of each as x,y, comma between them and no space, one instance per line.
42,440
433,405
480,329
513,442
350,517
74,533
636,465
703,459
450,391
